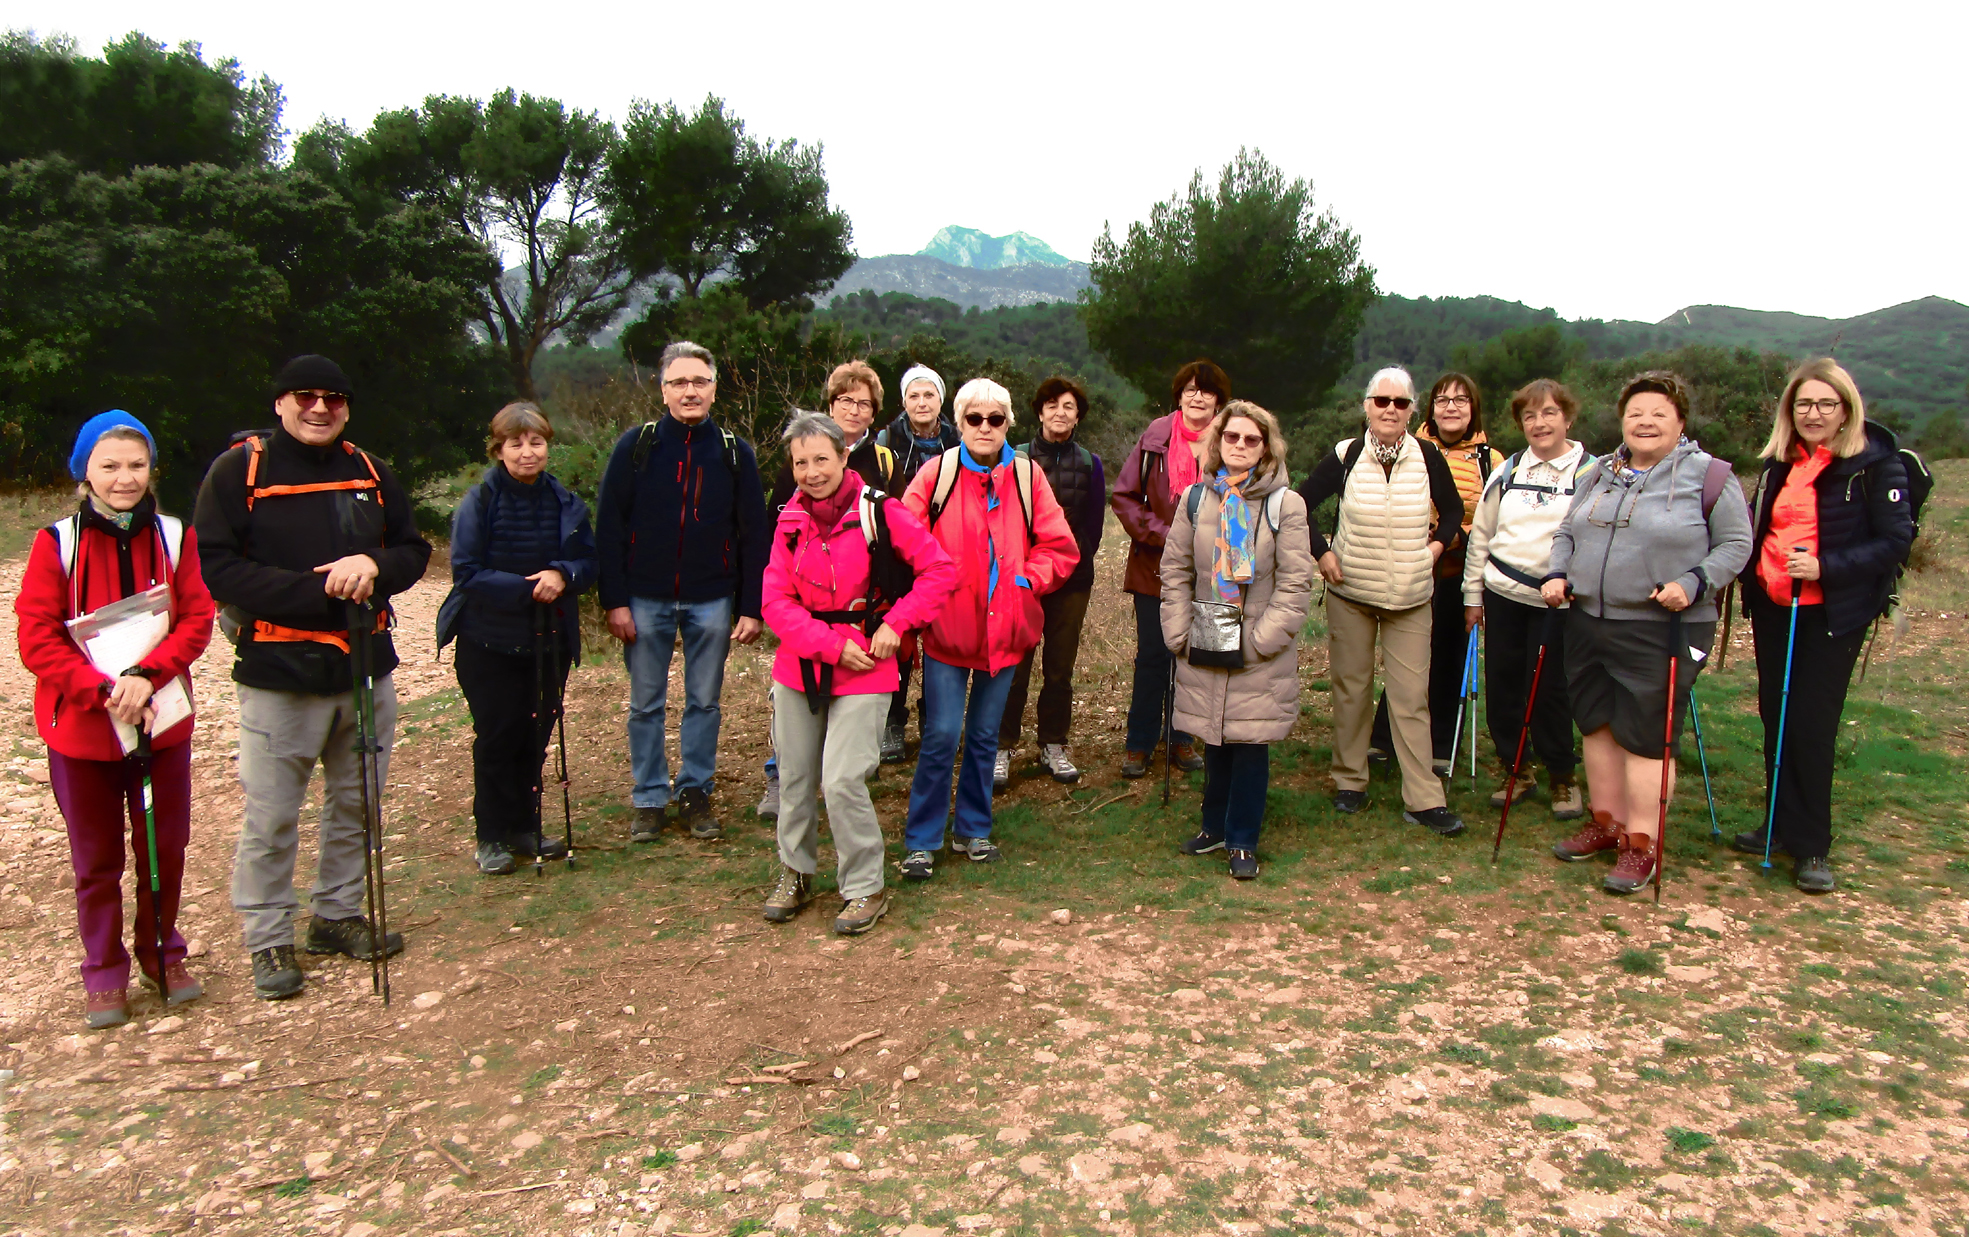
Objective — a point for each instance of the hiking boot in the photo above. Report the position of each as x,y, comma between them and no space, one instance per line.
769,802
495,859
1349,801
1440,766
648,825
694,812
981,850
1187,758
1378,756
790,896
858,915
179,986
917,865
892,753
1134,764
1600,835
276,975
1814,875
1525,789
1751,842
1244,865
1636,865
108,1008
540,846
1054,759
1438,820
1001,769
1202,844
1567,802
349,936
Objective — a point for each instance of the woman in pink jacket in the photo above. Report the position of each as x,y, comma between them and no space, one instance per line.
995,515
839,595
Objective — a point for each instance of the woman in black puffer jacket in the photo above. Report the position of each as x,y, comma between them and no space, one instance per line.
1832,522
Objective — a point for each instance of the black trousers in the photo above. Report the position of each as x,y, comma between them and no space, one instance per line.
1512,631
1447,641
899,703
1065,614
1150,689
1821,671
511,728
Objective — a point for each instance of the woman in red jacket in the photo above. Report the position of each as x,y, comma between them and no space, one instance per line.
995,515
116,545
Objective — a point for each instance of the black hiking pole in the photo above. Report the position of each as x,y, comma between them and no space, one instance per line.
1168,730
541,731
1524,733
1667,741
368,748
1784,707
142,755
1709,792
560,722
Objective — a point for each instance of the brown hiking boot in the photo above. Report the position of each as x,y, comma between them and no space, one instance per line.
108,1008
790,896
1186,756
1523,791
1636,866
859,915
1134,764
1600,835
648,825
179,986
1567,802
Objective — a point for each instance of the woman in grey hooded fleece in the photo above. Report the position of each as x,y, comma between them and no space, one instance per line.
1655,529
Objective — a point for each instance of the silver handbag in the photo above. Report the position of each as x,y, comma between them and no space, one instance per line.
1216,635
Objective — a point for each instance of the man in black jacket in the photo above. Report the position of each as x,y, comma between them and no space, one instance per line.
682,533
297,527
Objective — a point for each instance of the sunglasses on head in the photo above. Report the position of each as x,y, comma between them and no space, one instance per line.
974,419
1399,401
332,400
1232,438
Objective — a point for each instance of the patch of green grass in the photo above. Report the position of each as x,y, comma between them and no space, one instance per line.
1552,1123
1816,1100
1603,1170
746,1227
1688,1142
836,1124
661,1159
1640,961
296,1188
542,1076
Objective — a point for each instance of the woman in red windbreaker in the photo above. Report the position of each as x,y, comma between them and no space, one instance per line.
116,545
994,513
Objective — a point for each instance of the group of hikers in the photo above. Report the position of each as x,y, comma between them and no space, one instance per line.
935,547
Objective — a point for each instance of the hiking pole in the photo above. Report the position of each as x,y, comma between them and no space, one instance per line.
560,720
1784,707
1524,733
1723,658
1695,715
539,736
150,838
1667,741
1168,731
362,687
1462,695
1476,688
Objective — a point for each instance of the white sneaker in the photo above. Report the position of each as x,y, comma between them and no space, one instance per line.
1056,761
1001,769
769,805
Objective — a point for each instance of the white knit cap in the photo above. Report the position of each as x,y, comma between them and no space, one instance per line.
925,373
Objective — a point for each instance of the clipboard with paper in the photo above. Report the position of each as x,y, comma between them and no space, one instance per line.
120,635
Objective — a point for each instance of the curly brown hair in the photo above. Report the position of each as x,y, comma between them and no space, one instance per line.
1658,382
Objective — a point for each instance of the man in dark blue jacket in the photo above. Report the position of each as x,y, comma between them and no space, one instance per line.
682,533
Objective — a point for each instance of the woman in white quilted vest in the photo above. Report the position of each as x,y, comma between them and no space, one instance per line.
1504,569
1237,552
1399,509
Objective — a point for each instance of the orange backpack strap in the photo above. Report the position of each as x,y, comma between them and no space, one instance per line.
273,633
256,447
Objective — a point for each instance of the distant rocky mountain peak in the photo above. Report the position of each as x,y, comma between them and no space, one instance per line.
969,247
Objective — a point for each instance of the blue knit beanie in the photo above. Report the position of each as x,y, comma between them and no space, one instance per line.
92,432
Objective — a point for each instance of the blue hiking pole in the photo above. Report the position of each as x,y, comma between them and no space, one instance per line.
1462,694
1476,686
1695,716
1784,706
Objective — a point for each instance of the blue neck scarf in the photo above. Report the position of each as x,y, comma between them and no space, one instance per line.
1235,540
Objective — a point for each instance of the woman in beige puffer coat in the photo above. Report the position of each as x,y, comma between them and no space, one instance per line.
1238,536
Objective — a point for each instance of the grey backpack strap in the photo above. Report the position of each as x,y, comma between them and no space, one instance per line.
1275,509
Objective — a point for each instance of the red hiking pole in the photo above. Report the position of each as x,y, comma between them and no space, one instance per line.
1524,733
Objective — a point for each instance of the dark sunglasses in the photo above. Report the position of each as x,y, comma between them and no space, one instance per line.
330,400
1235,439
1399,401
974,419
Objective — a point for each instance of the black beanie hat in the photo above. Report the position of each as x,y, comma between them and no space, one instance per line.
311,373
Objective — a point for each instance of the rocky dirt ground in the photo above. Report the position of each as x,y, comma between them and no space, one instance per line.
1384,1035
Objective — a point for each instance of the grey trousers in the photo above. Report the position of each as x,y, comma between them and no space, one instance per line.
840,748
281,736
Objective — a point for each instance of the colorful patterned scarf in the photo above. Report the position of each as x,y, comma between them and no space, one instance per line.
1234,535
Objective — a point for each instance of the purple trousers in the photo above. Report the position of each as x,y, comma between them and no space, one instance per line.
100,799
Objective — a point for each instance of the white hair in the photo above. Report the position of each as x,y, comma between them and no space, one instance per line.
983,391
1393,373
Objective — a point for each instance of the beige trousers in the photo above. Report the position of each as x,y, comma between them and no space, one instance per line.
838,749
1351,632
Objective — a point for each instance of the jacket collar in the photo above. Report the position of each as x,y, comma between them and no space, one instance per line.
1155,439
1005,454
286,444
670,428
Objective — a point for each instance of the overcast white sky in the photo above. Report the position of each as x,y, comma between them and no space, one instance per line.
1605,159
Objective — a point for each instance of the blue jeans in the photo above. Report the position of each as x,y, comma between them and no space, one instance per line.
1151,687
1235,778
706,628
946,714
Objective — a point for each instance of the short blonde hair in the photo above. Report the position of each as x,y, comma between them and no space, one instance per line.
1850,439
1213,454
854,374
983,391
519,417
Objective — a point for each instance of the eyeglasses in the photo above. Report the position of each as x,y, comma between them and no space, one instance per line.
1401,402
1824,407
1452,401
974,419
334,401
689,384
847,402
1231,438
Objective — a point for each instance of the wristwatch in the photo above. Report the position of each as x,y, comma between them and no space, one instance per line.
142,672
